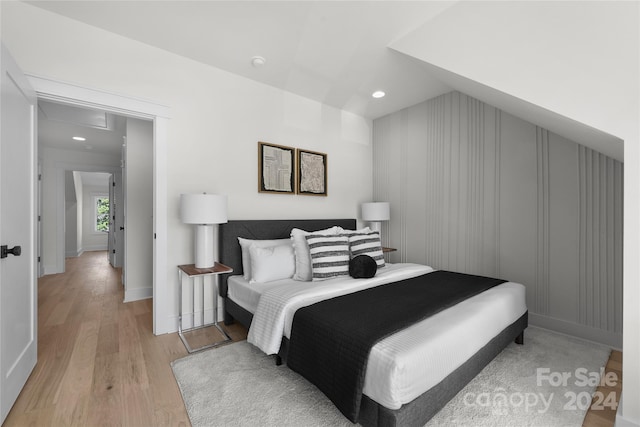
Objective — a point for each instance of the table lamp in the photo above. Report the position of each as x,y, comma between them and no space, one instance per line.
374,213
203,210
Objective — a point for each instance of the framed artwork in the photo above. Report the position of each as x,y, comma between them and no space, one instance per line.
276,169
312,173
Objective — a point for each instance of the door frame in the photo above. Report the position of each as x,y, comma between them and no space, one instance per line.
61,169
53,90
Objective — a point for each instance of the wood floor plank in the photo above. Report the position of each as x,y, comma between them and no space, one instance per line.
105,405
134,372
108,342
59,314
72,397
53,361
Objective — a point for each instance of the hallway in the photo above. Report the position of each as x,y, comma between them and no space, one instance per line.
98,360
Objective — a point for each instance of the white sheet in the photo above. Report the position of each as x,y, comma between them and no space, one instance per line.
247,295
404,365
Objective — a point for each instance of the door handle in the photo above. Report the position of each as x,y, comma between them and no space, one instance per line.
121,228
15,251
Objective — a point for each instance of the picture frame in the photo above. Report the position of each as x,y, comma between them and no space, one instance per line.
311,173
276,169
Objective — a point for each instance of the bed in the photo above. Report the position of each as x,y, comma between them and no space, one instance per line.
427,380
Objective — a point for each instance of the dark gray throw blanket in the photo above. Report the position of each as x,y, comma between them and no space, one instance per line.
331,340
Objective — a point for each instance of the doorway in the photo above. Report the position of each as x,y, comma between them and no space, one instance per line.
87,213
88,146
158,116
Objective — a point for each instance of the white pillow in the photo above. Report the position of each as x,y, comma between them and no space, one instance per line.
329,256
367,244
246,257
301,250
271,263
358,231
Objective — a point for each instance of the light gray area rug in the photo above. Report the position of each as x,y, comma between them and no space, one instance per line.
546,382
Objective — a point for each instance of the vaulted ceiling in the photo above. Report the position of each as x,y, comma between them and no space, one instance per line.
340,52
335,52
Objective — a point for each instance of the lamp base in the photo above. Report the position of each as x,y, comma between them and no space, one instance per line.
376,226
204,246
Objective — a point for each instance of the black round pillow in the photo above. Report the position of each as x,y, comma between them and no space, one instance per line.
362,267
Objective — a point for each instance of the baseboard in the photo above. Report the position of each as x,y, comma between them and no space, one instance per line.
74,254
137,294
620,420
624,422
588,333
50,269
170,325
95,248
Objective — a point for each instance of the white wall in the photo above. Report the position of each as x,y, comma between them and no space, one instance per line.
138,190
578,60
217,118
71,216
480,191
77,183
574,62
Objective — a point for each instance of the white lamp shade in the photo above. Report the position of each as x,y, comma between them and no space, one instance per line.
203,208
375,211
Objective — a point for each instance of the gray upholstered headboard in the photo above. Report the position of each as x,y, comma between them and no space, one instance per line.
229,250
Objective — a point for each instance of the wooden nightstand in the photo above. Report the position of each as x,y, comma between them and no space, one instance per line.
387,250
192,272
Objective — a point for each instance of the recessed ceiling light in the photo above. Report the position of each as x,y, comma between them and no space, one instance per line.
378,94
79,138
258,61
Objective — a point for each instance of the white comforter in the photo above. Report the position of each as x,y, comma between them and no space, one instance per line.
406,364
274,315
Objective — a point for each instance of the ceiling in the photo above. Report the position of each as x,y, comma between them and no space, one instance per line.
95,179
334,52
59,123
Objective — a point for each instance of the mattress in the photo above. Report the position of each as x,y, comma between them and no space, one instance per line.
405,365
247,295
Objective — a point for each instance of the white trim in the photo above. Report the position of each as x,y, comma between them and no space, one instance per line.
162,323
621,421
73,254
94,248
59,170
54,90
599,336
138,294
80,96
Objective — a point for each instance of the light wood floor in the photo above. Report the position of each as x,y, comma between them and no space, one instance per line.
98,360
100,364
607,397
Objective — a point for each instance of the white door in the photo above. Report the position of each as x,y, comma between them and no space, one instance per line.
18,296
112,223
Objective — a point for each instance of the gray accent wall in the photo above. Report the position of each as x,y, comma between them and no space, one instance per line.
477,190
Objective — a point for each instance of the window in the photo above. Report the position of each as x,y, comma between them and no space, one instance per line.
102,213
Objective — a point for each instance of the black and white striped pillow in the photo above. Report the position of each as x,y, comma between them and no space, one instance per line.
367,244
329,256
